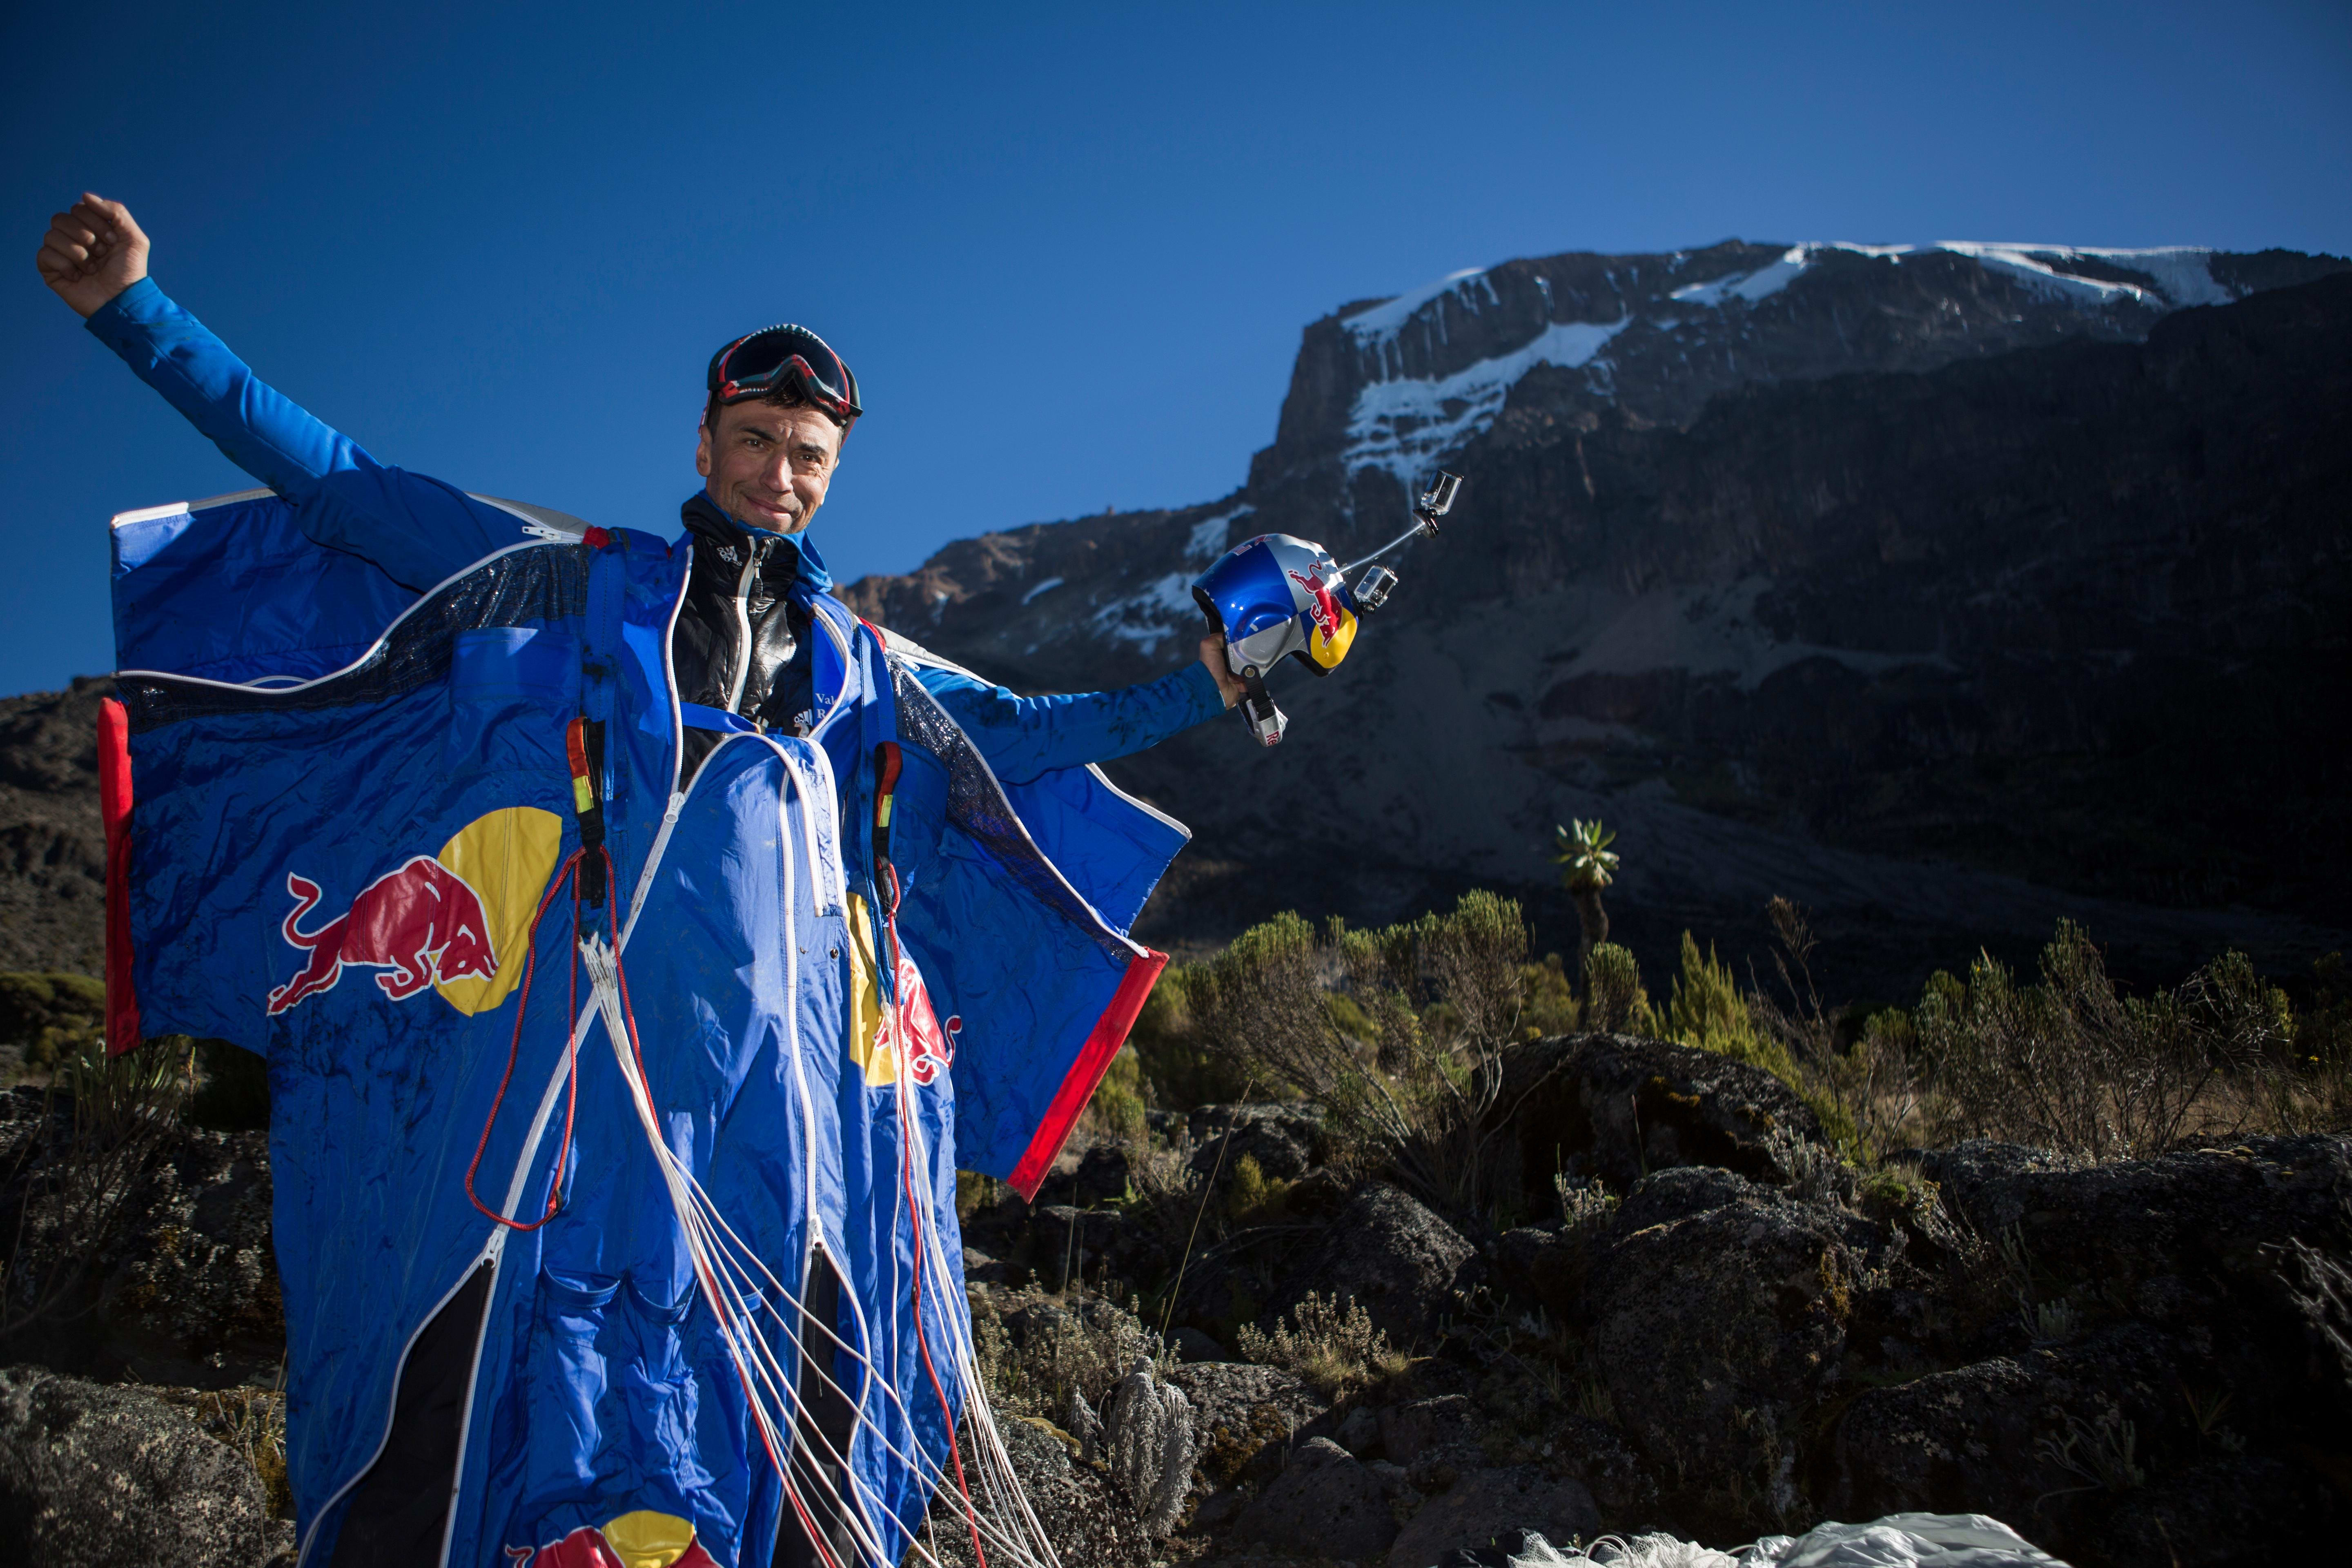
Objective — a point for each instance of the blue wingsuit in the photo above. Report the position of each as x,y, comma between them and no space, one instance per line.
584,1062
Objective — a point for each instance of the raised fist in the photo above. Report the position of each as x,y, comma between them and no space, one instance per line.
92,253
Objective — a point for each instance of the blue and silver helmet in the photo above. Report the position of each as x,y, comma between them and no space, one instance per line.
1276,595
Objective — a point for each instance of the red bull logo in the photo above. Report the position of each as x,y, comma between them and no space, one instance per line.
641,1539
1324,608
420,924
883,1039
458,921
1335,628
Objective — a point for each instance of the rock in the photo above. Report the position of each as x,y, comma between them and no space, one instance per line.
1194,1345
2191,1235
1487,1504
1358,1431
1100,1177
1429,1425
1398,1260
1597,1454
1617,1108
1677,1194
1324,1504
1097,1246
2095,1441
1720,1332
184,1289
95,1476
1284,1137
1081,1511
1240,1410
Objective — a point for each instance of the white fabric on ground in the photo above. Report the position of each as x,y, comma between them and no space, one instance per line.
1898,1541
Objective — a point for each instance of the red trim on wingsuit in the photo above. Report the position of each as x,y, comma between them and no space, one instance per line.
114,811
1094,1060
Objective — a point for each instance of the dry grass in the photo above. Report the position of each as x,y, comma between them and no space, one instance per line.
1329,1342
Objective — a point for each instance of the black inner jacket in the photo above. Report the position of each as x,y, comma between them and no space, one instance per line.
737,585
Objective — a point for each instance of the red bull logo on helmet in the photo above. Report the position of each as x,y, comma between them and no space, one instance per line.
458,921
1335,626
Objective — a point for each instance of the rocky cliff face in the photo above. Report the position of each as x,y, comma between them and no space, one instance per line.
52,847
1946,589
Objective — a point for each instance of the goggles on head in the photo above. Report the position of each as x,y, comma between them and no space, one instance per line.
755,365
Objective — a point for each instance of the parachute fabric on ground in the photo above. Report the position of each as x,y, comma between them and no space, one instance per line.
1897,1540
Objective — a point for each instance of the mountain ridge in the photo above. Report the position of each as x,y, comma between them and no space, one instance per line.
1743,635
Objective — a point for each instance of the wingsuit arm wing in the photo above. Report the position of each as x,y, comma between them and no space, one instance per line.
418,530
1026,737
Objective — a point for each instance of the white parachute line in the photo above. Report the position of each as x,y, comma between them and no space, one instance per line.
718,1271
741,1338
988,1442
918,1462
722,1277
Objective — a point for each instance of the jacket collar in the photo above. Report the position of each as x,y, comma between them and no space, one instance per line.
790,557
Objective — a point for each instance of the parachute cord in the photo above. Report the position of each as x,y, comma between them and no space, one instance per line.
568,872
637,1054
914,1213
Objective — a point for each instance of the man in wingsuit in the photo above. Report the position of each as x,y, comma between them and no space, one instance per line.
638,941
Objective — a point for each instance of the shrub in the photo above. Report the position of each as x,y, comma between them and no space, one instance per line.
1177,1069
1253,1198
1116,1112
1547,1001
1398,1032
53,1017
1077,1350
1330,1342
1613,997
2072,1065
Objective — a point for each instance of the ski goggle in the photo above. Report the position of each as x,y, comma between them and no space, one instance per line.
757,364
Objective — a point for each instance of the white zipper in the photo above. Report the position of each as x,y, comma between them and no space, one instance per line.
752,555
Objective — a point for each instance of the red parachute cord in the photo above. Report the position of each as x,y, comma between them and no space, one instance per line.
784,1470
568,872
915,1219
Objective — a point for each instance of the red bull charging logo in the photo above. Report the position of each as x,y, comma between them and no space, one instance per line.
456,922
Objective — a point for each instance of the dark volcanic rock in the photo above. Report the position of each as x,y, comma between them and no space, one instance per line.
103,1477
1398,1260
1240,1409
1081,1512
1484,1505
1285,1137
182,1289
1446,1422
1324,1504
1616,1108
1719,1333
52,847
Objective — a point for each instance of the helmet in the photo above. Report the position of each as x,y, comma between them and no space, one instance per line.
1276,595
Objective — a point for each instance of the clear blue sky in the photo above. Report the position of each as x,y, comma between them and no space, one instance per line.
1068,250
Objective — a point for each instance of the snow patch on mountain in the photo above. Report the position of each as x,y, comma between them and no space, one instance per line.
1762,283
1404,424
1378,323
1207,540
1148,617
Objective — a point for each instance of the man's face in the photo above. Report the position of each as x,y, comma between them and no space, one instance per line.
769,466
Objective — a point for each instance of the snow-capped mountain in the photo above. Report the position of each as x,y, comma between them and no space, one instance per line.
1806,564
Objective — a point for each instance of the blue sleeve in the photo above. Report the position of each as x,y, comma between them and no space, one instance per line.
417,530
1022,737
